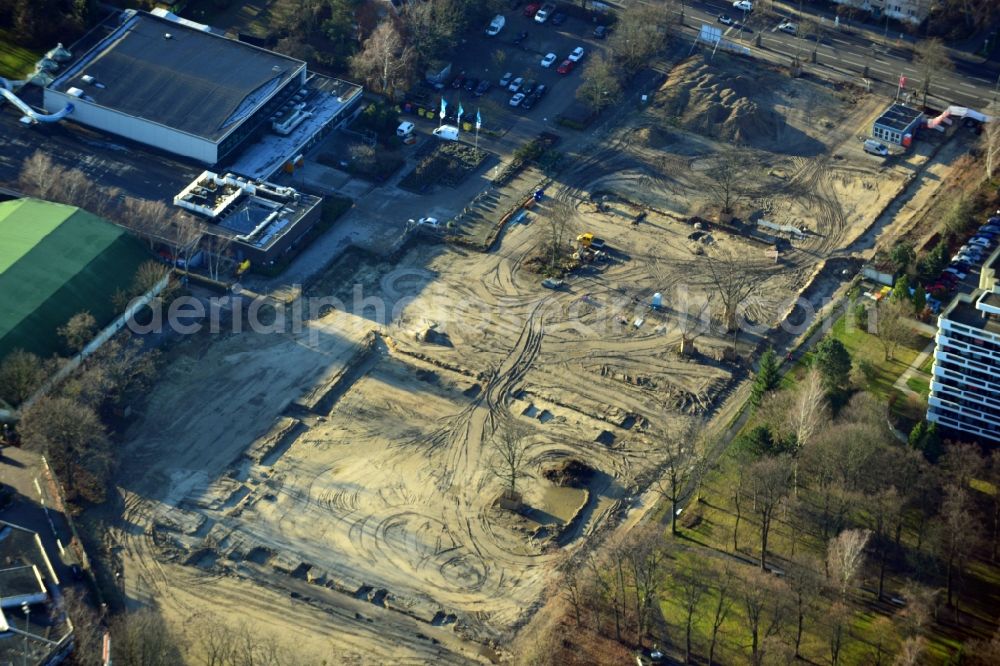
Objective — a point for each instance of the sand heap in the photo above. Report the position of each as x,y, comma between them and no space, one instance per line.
707,100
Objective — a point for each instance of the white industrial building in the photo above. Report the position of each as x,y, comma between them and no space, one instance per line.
965,386
179,87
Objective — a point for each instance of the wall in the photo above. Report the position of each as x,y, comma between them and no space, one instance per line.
136,129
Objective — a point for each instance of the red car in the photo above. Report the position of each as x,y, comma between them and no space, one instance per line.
532,9
566,67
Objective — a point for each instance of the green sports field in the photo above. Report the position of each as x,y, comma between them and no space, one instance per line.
55,261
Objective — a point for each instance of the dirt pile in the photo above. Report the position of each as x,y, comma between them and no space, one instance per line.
704,99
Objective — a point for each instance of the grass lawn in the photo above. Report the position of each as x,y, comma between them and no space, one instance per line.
15,61
862,345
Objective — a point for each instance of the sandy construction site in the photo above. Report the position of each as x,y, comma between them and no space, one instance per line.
334,485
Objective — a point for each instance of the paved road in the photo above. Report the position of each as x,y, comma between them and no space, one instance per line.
973,83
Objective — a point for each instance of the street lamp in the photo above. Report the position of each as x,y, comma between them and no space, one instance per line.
27,624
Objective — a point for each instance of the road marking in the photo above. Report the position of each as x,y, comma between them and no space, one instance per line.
967,85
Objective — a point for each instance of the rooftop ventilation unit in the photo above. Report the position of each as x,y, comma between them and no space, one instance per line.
167,35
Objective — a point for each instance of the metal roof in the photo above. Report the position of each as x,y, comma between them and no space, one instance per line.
174,75
898,117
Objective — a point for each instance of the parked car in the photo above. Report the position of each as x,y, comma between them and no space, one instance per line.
506,78
990,227
482,88
543,14
981,240
549,59
962,266
517,99
558,18
601,31
532,9
529,102
960,274
789,27
552,283
528,87
521,36
876,148
496,25
471,83
516,84
458,82
540,90
576,55
566,67
725,19
995,219
743,5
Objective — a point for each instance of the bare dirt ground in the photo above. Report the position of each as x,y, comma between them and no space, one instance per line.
333,484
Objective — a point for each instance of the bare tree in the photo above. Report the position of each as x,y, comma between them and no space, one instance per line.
769,480
600,84
183,235
993,476
573,591
846,558
804,586
958,536
838,626
678,449
557,217
962,463
810,410
509,461
78,331
243,645
764,606
734,279
141,638
889,321
689,590
638,35
217,254
933,62
727,183
884,639
39,175
71,437
990,144
646,559
885,517
724,600
21,373
911,652
385,62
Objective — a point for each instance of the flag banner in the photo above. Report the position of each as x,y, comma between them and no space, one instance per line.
459,116
444,107
902,81
479,120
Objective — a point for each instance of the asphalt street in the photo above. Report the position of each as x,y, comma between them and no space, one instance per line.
848,49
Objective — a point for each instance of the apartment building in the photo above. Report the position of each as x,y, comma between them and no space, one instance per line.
965,387
913,11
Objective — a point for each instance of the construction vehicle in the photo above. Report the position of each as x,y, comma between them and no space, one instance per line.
590,241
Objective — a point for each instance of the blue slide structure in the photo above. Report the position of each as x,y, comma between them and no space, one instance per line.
30,115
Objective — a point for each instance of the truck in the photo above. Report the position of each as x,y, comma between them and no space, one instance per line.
590,241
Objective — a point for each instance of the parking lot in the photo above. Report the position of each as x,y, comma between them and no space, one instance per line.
519,49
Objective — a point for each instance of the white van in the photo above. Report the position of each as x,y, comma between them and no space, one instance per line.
405,129
876,148
447,132
496,25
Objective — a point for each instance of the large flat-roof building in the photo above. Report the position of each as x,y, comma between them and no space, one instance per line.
183,89
965,385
